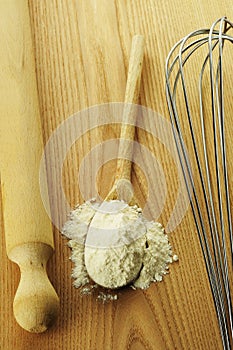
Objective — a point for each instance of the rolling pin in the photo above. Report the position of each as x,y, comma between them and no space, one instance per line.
28,230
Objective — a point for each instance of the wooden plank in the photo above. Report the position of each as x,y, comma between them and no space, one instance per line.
82,50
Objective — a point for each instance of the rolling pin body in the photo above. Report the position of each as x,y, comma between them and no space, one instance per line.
28,230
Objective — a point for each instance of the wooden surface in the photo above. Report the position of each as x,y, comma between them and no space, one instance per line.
82,51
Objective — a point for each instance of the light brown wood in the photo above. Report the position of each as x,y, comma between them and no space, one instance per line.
36,303
122,188
28,230
82,52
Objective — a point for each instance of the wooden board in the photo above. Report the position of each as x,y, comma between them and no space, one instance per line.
82,50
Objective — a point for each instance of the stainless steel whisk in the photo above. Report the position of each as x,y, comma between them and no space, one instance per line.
201,130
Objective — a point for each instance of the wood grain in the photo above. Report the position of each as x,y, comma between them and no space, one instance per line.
82,52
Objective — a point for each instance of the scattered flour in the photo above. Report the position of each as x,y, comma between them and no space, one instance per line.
113,245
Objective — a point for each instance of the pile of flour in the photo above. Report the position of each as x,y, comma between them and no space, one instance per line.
114,245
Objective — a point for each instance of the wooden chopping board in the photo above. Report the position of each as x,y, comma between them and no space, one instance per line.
82,50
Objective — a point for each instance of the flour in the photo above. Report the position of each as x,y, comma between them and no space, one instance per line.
114,245
156,257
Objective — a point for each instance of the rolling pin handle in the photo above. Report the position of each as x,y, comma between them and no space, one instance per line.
36,304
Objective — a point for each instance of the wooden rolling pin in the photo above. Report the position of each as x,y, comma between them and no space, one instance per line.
28,230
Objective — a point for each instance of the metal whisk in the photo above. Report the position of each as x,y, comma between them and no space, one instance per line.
202,126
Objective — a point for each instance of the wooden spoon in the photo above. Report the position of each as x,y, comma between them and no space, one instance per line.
109,214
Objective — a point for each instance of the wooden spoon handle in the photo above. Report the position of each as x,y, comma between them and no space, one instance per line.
134,71
124,161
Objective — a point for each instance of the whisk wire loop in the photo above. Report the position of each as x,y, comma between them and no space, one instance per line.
207,183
